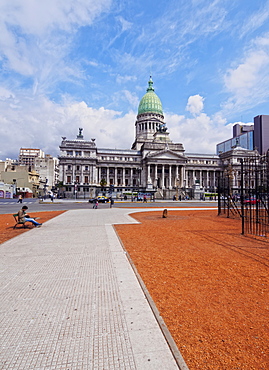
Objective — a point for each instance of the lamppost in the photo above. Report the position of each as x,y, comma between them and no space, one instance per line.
14,188
75,189
45,189
177,188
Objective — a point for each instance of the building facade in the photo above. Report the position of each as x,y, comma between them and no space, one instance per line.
48,170
28,156
251,137
154,164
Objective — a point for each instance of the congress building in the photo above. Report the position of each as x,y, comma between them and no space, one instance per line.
154,165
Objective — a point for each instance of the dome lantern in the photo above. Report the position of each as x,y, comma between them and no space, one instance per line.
150,103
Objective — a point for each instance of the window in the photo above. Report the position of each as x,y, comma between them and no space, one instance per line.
68,179
78,153
69,152
77,167
77,180
69,167
86,180
86,168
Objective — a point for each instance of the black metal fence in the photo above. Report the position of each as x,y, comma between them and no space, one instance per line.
250,199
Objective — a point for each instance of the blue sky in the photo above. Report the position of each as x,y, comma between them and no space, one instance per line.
67,64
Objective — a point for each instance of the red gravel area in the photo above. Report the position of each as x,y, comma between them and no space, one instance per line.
209,283
7,222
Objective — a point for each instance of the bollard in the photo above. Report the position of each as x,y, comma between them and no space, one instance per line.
165,213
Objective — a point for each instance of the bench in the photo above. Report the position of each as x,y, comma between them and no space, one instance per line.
16,217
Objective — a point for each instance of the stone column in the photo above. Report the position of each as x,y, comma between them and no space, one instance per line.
182,176
156,175
170,177
91,181
107,176
148,175
123,176
177,183
115,176
163,176
131,177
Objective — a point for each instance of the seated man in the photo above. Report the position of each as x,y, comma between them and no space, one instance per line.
23,216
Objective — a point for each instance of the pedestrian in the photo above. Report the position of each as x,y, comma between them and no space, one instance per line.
111,202
145,199
24,217
95,204
20,199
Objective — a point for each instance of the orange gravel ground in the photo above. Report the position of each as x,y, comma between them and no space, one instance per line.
7,222
209,283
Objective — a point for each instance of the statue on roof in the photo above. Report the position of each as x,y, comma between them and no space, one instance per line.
161,127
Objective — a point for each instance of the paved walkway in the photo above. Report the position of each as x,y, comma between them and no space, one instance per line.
70,300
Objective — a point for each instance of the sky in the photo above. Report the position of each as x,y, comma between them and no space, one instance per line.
71,64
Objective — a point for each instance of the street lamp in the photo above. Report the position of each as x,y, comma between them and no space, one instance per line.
14,188
75,189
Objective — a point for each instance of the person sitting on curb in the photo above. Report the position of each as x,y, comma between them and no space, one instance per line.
23,216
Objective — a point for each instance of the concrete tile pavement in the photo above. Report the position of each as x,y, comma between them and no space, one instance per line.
70,299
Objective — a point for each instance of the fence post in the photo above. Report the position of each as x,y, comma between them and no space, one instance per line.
219,205
242,196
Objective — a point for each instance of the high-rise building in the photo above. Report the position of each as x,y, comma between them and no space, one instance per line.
261,133
27,156
251,137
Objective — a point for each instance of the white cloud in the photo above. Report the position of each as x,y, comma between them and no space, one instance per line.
247,81
38,18
255,21
123,79
195,104
199,134
35,36
125,25
242,79
41,123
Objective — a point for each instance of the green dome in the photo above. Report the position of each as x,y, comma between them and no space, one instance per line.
150,103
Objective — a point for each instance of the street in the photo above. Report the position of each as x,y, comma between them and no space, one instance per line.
8,206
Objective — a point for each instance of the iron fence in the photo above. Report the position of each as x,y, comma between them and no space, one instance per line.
250,199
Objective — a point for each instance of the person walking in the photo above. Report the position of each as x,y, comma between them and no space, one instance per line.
111,202
20,199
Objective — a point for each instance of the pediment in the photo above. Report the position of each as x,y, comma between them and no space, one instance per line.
166,155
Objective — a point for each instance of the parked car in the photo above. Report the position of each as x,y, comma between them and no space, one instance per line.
251,200
100,198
